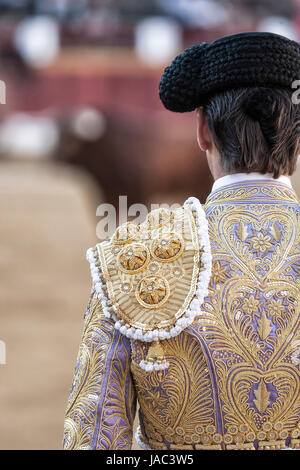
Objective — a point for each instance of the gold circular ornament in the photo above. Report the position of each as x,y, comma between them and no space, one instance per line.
217,438
244,428
272,435
250,436
261,435
133,259
168,248
267,426
228,438
232,429
206,439
154,267
239,438
199,429
283,434
152,291
126,287
125,233
180,431
210,429
177,272
170,431
158,217
278,426
179,440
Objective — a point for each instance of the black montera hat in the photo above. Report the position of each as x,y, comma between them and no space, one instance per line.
241,60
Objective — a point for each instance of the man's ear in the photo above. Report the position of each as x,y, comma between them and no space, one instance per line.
204,138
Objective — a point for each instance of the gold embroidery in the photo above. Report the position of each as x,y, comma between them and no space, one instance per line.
125,233
155,352
207,439
250,192
147,266
262,397
295,443
261,242
264,326
133,259
177,271
157,218
126,287
167,249
250,327
250,305
154,267
255,310
92,367
174,401
152,291
242,232
247,446
219,272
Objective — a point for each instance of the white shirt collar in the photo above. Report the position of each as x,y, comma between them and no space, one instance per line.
254,176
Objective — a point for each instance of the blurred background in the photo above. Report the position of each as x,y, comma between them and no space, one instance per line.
81,124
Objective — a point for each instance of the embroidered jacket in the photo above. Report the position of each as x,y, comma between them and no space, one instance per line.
209,347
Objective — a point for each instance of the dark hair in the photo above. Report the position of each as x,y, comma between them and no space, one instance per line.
255,129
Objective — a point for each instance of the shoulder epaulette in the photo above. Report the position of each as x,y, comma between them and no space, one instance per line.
152,277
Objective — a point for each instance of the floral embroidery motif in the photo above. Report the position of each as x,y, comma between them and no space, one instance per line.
250,305
276,309
126,287
153,290
261,242
167,249
133,259
177,271
219,272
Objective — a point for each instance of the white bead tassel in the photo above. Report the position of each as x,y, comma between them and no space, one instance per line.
155,359
150,367
204,274
96,277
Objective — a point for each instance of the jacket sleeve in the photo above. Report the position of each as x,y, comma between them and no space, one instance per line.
102,401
